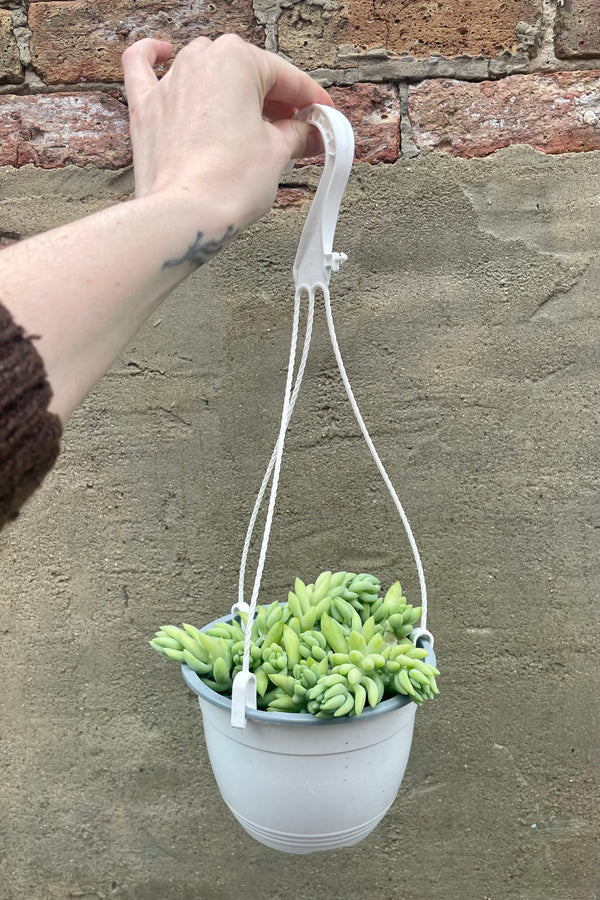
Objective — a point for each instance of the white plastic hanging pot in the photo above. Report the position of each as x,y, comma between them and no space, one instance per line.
295,782
299,784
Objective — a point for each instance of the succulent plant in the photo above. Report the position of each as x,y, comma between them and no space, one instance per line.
333,648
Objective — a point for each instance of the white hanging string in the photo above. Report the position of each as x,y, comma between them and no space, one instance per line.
274,466
276,459
375,455
267,476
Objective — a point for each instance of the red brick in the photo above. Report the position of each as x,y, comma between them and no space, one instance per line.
373,110
11,70
577,29
310,33
557,113
292,197
53,130
82,40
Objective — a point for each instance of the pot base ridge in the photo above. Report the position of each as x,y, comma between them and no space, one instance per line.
308,843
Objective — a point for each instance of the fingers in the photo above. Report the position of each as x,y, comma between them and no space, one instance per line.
138,63
284,83
274,110
276,79
301,140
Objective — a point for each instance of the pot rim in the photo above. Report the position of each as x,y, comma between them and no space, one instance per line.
193,681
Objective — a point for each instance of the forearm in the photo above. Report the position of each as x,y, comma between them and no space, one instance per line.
210,140
84,289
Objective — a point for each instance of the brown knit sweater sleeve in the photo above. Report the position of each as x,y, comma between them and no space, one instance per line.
29,434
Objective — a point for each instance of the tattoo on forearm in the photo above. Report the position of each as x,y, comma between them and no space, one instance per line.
201,251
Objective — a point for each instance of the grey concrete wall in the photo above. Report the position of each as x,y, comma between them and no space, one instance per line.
467,317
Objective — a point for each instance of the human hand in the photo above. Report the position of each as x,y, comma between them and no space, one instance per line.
218,127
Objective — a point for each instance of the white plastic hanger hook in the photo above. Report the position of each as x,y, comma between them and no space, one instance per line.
315,259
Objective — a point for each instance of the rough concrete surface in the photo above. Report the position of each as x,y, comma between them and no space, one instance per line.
467,317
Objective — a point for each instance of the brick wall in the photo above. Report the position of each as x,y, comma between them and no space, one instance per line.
463,77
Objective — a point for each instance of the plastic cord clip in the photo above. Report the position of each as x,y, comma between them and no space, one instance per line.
243,697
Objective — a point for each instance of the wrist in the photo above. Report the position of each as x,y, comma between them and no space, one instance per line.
192,231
